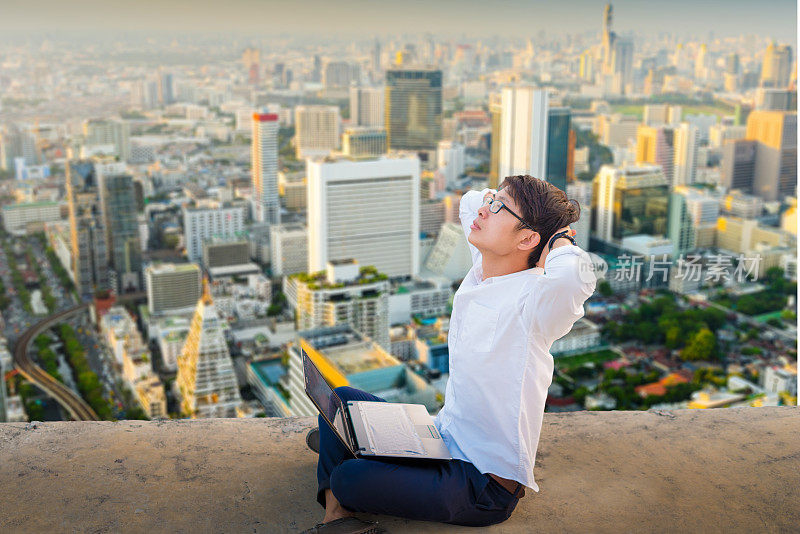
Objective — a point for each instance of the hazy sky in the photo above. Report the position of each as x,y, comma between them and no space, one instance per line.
777,18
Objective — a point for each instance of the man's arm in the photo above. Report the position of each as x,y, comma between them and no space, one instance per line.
467,212
557,299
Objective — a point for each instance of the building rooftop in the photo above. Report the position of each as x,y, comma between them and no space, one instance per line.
598,471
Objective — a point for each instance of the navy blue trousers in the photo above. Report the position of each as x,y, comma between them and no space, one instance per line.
447,492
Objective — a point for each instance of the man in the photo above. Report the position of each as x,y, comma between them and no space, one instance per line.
526,288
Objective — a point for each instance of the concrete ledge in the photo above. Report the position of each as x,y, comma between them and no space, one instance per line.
725,470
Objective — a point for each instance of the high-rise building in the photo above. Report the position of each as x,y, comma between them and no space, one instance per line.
16,142
769,99
118,208
586,65
720,133
617,130
288,249
524,132
558,154
251,59
316,130
686,141
738,165
206,379
776,153
172,287
88,237
656,145
213,220
343,293
413,108
450,161
367,106
340,74
496,113
608,38
582,192
776,70
622,64
264,163
629,200
166,87
732,64
364,141
367,210
109,132
692,219
701,63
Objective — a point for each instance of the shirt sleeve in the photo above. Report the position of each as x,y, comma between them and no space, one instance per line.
467,212
556,302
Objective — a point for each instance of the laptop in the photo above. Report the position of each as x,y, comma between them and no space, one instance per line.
372,429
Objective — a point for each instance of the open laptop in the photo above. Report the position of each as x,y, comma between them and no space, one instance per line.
375,429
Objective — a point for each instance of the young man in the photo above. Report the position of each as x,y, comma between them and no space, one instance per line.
524,291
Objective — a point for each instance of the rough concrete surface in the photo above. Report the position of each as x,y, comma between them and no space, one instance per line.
725,470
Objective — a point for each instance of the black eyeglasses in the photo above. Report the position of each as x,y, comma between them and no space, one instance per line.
497,205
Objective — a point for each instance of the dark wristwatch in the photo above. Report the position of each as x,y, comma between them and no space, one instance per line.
564,234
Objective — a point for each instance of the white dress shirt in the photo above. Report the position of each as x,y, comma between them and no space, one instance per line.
501,331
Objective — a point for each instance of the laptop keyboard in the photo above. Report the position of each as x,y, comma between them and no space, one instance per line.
390,429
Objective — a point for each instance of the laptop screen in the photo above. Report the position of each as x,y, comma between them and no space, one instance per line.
328,403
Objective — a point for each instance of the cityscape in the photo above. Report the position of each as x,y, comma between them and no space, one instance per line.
185,211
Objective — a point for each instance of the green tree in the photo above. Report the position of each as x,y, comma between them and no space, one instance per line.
702,346
605,288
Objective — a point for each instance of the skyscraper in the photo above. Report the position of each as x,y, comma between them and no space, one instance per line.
201,223
524,132
496,113
777,67
264,162
629,200
692,219
608,38
686,141
622,63
776,153
413,108
251,59
109,132
88,237
166,90
206,378
118,207
367,106
450,161
340,74
738,165
316,130
367,210
657,145
558,128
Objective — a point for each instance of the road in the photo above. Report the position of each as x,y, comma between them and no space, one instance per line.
76,406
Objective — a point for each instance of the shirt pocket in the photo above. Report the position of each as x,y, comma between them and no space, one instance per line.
478,327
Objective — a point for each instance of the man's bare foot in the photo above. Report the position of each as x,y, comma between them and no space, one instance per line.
334,510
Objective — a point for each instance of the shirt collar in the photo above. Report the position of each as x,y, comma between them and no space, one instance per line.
478,273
